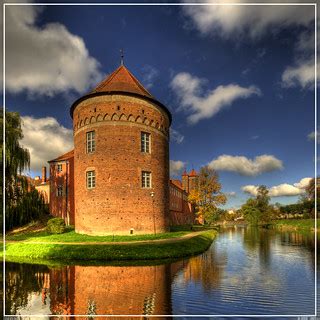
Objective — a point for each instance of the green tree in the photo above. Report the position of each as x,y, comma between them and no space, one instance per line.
257,210
22,202
208,196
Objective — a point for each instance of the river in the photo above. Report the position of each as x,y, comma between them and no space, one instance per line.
246,271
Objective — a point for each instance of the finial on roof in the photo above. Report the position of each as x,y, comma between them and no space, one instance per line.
122,56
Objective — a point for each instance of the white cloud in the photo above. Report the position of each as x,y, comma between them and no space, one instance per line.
45,59
281,190
46,139
252,21
176,167
231,194
176,136
188,90
245,166
302,74
149,75
312,136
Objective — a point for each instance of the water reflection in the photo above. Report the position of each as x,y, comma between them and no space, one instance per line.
246,271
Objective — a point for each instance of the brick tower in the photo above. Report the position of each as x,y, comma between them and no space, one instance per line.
121,159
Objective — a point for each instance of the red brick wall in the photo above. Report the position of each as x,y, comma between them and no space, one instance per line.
118,202
62,206
181,211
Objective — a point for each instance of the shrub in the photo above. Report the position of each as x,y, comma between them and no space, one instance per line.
56,225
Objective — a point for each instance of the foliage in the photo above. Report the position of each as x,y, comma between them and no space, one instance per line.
294,224
208,195
56,226
257,210
109,252
23,202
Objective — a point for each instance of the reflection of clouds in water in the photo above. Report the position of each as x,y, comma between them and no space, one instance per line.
35,306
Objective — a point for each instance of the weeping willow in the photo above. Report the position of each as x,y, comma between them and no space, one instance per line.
23,203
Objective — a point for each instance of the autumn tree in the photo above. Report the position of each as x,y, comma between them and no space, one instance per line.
207,196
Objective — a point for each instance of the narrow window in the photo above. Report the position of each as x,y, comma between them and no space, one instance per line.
145,142
91,179
91,143
59,168
146,179
60,191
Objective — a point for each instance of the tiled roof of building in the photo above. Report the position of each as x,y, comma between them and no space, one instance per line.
193,173
121,80
176,183
65,156
185,172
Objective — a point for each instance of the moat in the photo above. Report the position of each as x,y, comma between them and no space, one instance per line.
246,271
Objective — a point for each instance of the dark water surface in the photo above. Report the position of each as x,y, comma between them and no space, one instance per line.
246,271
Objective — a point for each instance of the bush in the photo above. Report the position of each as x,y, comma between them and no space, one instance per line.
56,225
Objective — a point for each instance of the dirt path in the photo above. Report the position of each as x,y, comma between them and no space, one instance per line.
170,240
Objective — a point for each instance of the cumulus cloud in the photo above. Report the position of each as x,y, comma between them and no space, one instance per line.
312,136
281,190
188,90
45,59
246,167
253,21
150,73
46,139
176,136
176,167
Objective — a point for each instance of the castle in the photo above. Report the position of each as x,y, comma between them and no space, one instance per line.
116,180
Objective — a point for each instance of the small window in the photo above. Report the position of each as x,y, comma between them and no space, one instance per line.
146,179
91,179
59,168
91,143
145,142
60,191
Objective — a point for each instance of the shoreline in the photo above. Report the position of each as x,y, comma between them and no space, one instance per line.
188,245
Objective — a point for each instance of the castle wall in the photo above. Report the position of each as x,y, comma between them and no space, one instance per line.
118,202
62,206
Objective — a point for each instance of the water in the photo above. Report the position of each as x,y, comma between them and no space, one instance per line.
246,271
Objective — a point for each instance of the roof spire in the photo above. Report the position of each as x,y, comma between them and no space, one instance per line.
121,56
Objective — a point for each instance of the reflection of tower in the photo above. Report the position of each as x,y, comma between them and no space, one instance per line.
114,290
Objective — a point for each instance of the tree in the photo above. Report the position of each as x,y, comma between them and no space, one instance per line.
257,210
23,202
207,196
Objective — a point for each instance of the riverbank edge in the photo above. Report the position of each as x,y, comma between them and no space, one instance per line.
295,225
180,248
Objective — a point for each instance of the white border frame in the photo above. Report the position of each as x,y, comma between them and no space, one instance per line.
314,4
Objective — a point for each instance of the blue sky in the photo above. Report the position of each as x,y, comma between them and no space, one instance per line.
239,82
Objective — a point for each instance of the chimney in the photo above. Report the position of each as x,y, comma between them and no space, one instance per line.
44,174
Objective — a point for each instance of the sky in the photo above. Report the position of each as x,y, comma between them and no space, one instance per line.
238,80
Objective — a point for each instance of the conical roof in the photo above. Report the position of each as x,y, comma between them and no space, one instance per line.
121,80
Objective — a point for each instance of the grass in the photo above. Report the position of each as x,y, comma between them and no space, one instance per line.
112,252
71,236
295,224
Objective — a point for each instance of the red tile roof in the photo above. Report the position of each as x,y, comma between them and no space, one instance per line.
176,183
193,173
121,80
65,156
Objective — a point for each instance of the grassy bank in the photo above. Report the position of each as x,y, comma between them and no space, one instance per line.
295,224
110,252
72,236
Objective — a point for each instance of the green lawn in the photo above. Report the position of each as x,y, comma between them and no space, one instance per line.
111,252
72,236
302,224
